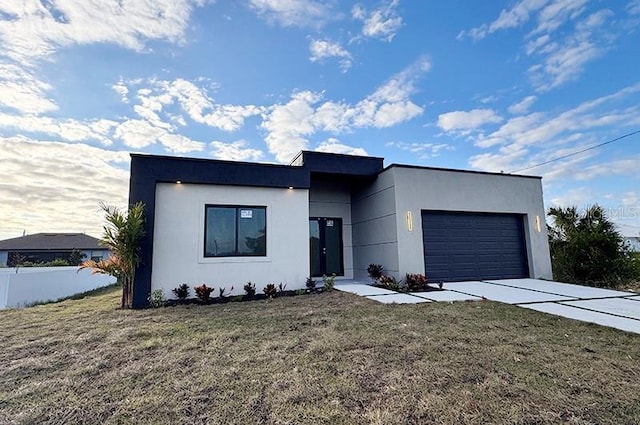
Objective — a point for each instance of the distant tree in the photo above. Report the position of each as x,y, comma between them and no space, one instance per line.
587,249
122,235
76,257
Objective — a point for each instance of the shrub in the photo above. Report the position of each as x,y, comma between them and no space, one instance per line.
250,289
415,281
181,292
270,290
328,282
300,292
310,284
375,271
586,248
222,292
282,287
203,292
156,298
390,282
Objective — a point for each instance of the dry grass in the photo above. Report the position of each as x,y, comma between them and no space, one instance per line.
323,359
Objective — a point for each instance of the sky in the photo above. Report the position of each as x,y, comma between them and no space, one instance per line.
492,86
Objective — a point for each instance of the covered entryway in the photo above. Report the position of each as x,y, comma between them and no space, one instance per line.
473,246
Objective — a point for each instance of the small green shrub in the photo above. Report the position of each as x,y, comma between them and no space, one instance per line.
203,292
328,282
415,281
222,292
270,290
300,292
310,284
156,298
375,271
390,282
181,292
250,289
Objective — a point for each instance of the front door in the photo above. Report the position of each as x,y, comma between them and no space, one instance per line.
325,246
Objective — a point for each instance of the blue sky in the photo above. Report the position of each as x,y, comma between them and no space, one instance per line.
494,86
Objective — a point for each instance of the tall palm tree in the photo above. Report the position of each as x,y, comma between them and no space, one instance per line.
123,234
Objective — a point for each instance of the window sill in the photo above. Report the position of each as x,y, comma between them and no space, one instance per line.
222,260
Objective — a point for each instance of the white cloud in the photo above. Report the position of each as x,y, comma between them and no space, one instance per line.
532,139
55,187
333,145
382,23
508,18
322,49
523,106
467,120
631,199
138,134
121,88
634,7
578,196
537,128
194,100
68,130
563,40
34,31
21,90
178,143
235,151
422,150
302,13
289,125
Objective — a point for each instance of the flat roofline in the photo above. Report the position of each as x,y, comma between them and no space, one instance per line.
454,170
302,152
207,160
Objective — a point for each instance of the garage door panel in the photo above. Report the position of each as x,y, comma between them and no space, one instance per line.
473,246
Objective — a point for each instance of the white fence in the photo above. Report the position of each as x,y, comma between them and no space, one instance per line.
28,285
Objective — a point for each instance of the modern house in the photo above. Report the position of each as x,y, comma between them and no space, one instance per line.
45,247
226,223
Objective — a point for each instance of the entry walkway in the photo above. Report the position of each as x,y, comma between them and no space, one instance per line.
616,309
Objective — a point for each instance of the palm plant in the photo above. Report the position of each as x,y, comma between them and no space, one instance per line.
123,234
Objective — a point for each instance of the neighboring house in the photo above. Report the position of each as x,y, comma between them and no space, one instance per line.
630,235
225,223
45,247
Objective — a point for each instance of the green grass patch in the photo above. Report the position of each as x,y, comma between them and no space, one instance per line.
333,358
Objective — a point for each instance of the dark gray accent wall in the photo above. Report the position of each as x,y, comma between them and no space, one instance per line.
345,165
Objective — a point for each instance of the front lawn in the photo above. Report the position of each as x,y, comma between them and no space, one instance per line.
331,358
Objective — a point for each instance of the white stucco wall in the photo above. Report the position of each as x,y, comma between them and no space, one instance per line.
178,242
428,189
26,285
332,199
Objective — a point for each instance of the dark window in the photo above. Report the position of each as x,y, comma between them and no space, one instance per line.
235,231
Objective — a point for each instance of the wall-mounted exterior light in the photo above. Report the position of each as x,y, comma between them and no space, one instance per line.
409,221
178,181
538,224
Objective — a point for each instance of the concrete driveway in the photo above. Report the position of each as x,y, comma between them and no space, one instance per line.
616,309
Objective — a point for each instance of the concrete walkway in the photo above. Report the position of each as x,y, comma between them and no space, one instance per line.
616,309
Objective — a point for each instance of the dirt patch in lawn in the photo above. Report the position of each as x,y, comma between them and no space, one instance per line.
328,359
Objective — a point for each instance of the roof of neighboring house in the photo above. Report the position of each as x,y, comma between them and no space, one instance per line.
51,241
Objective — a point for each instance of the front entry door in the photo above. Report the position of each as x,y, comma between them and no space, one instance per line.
325,246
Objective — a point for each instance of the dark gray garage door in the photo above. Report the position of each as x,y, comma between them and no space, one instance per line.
472,246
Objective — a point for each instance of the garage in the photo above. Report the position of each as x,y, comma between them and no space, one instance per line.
473,246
